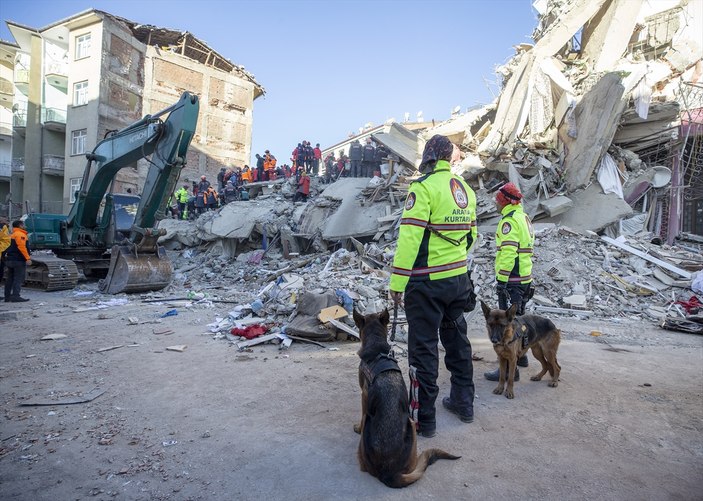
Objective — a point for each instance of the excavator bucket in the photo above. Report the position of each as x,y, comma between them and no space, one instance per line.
132,271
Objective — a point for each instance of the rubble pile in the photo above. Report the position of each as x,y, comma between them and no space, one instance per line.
594,113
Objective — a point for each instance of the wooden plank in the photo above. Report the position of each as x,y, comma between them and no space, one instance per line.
331,312
343,327
683,273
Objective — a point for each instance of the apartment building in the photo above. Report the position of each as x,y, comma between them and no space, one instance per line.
79,78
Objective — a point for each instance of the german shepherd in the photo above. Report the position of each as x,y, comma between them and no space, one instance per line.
512,336
388,444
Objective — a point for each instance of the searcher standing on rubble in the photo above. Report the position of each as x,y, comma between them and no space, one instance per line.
437,231
515,240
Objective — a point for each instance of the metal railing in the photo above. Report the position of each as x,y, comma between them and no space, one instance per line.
54,163
55,68
5,169
54,115
21,76
19,118
18,164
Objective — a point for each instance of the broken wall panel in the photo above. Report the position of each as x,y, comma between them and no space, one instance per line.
597,116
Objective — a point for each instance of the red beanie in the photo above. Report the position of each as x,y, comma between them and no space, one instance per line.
508,194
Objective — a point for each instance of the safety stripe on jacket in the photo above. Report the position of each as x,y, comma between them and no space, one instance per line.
427,270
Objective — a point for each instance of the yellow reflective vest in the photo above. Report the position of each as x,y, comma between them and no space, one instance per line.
437,229
515,240
182,195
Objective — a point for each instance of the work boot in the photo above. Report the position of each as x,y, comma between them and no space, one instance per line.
18,299
522,361
427,431
495,375
460,402
465,413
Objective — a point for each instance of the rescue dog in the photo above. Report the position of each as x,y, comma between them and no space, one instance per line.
512,336
388,443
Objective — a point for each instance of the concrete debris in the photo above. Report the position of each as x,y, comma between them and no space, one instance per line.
622,107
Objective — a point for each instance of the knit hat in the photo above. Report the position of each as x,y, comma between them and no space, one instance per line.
508,194
437,148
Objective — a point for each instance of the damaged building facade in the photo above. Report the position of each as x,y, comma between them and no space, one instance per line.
79,78
600,121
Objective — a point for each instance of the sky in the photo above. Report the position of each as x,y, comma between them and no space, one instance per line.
331,66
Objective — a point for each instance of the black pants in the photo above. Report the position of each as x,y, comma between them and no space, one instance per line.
355,168
435,310
510,294
16,271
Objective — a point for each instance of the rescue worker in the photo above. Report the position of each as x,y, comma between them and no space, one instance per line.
246,175
182,201
269,166
368,158
515,239
210,199
303,187
203,185
259,168
4,244
437,231
17,258
355,155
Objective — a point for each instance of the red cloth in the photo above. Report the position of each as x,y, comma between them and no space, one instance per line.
250,331
691,305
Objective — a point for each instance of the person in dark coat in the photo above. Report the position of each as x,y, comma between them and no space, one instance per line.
355,155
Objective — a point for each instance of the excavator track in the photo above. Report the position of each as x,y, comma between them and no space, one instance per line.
52,273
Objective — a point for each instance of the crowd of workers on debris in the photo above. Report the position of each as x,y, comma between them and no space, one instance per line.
193,199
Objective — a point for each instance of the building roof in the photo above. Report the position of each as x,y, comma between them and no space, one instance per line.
184,43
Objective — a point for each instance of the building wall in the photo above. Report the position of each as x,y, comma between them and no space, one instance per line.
223,133
84,116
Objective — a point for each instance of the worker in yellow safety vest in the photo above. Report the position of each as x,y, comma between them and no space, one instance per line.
515,240
437,232
182,201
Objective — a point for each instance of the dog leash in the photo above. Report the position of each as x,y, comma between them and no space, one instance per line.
395,321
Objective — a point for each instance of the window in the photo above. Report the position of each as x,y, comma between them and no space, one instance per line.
78,141
75,187
83,46
80,93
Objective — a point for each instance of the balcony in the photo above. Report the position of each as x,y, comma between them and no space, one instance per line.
18,164
22,80
7,93
53,165
57,75
5,171
54,119
19,121
5,129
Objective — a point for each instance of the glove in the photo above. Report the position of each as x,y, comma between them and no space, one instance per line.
471,299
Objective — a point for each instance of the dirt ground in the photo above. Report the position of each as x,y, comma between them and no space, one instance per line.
215,423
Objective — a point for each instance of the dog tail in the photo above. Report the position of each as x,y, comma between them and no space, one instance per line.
423,461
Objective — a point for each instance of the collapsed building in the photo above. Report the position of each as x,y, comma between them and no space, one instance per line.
599,123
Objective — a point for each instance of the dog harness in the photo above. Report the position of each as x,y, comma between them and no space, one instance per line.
383,362
520,332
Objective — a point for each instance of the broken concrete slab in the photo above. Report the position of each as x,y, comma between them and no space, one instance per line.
556,205
403,142
597,116
605,36
235,220
593,210
350,219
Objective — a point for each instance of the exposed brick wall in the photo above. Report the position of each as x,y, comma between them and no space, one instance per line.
125,60
170,75
228,96
126,103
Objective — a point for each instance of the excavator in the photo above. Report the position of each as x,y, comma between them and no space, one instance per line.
86,240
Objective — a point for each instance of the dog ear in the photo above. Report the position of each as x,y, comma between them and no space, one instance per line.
511,312
384,317
486,309
358,319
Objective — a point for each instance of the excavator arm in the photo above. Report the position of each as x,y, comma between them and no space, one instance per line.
82,238
139,264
